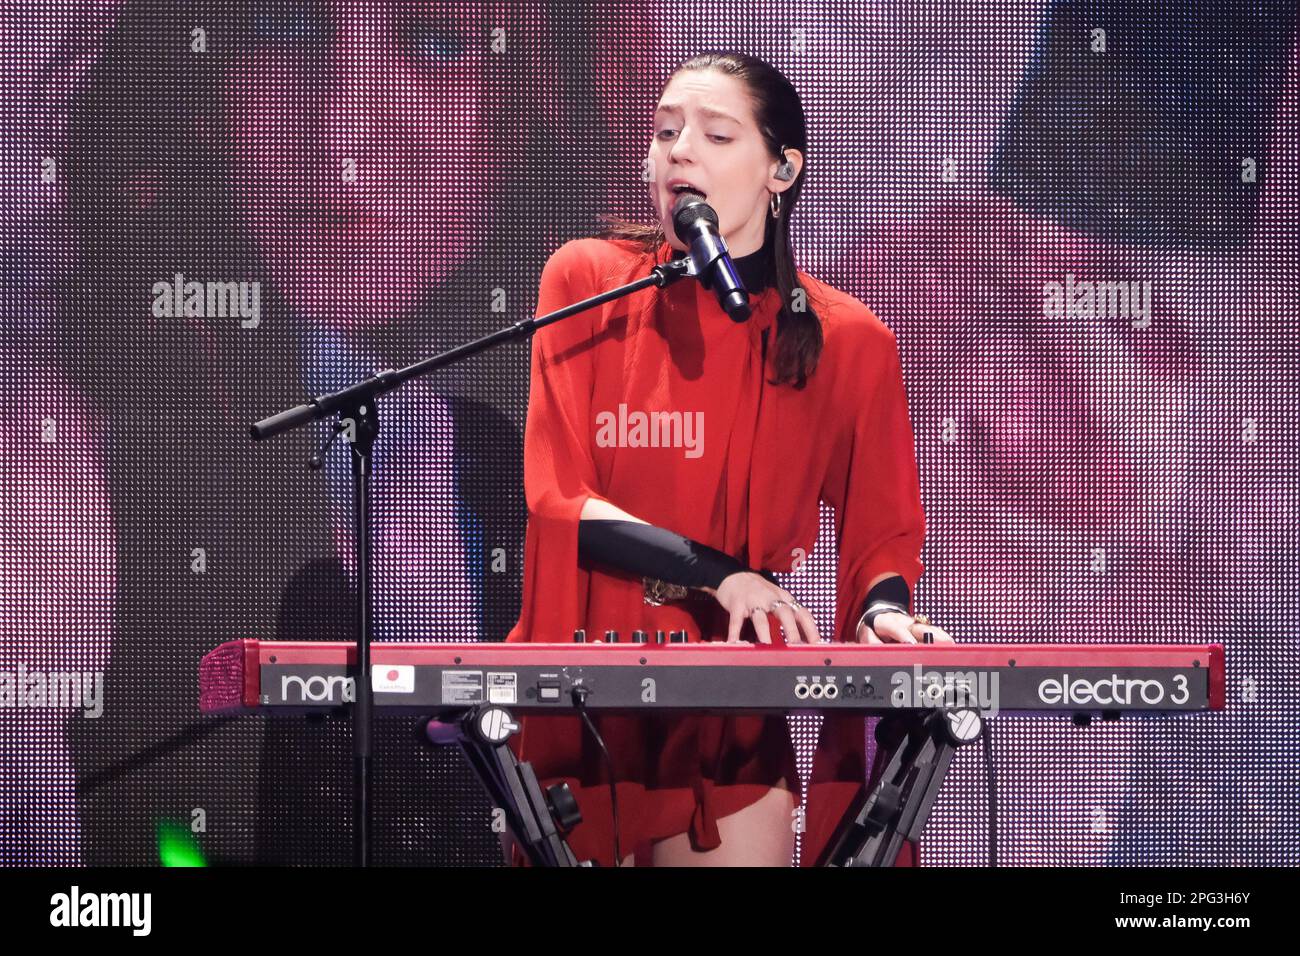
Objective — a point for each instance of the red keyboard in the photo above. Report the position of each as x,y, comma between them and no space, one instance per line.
294,677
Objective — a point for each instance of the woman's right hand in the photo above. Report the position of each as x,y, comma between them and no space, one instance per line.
747,596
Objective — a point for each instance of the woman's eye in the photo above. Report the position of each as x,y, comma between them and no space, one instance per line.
280,22
720,139
433,40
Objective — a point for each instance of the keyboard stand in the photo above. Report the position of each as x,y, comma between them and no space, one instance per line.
482,733
921,744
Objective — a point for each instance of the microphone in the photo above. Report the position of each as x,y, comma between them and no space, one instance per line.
696,224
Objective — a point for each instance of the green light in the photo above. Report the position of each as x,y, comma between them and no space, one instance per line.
177,846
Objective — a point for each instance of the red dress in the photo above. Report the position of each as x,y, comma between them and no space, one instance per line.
749,485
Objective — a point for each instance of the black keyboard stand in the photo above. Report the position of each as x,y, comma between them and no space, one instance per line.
920,745
482,732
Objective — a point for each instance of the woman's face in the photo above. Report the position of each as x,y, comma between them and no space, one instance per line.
358,131
705,134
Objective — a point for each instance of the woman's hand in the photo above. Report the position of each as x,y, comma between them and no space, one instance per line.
896,628
749,597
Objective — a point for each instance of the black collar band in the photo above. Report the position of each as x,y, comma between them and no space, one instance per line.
753,269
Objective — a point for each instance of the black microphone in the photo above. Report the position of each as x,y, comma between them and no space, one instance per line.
696,224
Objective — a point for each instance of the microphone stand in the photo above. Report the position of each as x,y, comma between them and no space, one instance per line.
358,406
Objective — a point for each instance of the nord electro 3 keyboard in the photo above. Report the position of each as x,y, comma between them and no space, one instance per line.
295,677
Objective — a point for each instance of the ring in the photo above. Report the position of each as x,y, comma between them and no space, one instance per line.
775,605
921,618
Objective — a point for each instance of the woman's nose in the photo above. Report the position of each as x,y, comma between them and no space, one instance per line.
683,148
351,116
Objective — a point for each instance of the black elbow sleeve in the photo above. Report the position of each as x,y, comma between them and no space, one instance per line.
654,552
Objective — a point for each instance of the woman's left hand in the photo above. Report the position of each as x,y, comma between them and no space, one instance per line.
893,627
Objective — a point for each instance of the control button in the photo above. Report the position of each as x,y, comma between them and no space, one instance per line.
611,637
548,692
640,637
579,636
659,637
677,637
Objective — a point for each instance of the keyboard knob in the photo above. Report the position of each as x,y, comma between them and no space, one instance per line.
567,814
677,637
659,637
579,636
611,637
639,637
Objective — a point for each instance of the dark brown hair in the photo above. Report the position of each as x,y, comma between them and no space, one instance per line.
780,117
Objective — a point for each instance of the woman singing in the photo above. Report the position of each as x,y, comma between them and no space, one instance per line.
680,525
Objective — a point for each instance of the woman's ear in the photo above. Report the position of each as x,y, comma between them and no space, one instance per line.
787,170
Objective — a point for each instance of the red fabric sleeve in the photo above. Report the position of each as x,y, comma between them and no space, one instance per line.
559,472
875,489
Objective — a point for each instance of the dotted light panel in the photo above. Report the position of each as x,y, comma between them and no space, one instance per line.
1079,218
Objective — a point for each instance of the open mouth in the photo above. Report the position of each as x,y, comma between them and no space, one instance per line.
680,188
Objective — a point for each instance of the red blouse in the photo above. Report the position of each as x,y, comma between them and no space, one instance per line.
748,482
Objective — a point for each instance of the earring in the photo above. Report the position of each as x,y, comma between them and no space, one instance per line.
774,204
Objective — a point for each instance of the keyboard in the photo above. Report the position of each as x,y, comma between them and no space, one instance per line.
280,677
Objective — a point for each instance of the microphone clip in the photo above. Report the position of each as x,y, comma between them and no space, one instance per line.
666,273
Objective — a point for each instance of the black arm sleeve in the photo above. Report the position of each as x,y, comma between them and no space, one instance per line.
893,589
654,552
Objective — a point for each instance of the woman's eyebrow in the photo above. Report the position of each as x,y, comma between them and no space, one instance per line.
707,111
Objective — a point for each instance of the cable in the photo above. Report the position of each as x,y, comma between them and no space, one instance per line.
993,794
580,702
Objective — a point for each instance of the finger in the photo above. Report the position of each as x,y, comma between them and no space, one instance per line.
808,623
736,622
890,632
867,636
789,624
940,636
759,617
919,631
